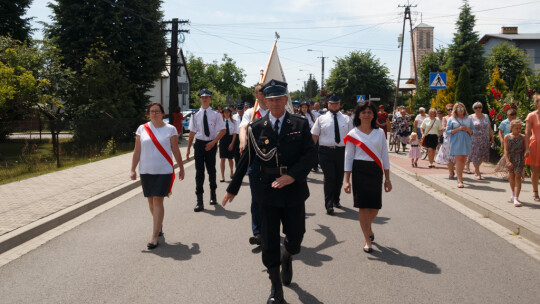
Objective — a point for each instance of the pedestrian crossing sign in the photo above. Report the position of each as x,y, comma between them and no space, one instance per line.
437,80
360,98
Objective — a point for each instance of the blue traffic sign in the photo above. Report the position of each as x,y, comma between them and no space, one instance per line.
437,80
360,98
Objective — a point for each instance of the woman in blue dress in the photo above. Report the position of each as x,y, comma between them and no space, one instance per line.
459,129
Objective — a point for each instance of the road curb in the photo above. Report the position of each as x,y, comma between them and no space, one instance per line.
510,222
23,234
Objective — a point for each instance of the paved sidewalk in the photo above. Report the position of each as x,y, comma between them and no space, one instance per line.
27,201
489,197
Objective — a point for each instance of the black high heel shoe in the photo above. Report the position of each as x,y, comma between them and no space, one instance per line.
152,246
368,250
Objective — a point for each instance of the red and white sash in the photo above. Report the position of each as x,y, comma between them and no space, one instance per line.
163,152
363,146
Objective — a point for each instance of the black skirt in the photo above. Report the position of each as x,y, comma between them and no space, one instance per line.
224,143
367,178
156,184
432,140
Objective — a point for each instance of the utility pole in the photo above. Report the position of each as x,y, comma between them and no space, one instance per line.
322,65
406,15
172,52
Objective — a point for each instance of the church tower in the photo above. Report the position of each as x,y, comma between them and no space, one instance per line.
423,44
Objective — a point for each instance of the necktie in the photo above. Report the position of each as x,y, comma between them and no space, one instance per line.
205,122
276,126
258,114
227,126
336,129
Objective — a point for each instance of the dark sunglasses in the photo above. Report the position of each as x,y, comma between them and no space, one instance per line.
476,108
449,109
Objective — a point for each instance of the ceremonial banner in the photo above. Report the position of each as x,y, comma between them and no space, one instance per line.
275,71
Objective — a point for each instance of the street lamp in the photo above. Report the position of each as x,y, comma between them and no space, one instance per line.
322,65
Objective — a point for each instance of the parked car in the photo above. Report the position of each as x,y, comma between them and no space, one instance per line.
187,117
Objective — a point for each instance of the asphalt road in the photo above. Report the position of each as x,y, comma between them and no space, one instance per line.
425,252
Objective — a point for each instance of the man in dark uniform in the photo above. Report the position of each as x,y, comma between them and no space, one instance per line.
283,146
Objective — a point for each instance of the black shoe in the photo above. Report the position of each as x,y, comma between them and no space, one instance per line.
213,202
199,207
255,240
276,292
152,246
221,180
337,205
330,211
372,237
161,231
286,268
368,250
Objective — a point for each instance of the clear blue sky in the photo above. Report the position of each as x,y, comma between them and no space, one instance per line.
245,29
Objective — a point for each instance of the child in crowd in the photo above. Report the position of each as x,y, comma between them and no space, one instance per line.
515,150
414,152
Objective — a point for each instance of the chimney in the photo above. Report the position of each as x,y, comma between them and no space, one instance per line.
509,30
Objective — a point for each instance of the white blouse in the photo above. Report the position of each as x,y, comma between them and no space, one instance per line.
152,161
375,141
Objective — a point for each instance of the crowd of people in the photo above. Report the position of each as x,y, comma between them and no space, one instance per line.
277,150
459,139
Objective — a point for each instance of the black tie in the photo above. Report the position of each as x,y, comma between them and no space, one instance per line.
227,126
276,126
336,129
205,122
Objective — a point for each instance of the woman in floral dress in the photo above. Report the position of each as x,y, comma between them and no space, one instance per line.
443,156
481,139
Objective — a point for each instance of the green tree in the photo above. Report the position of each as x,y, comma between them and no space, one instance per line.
431,63
230,77
23,83
312,88
224,80
511,61
463,88
131,33
359,73
465,50
12,23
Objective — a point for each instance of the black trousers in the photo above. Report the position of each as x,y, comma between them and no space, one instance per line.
236,150
204,158
333,165
316,158
293,219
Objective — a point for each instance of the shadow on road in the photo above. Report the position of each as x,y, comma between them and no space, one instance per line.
176,251
392,256
311,256
303,295
220,211
352,214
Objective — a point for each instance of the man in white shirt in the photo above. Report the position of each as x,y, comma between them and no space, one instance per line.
316,110
329,130
238,120
207,127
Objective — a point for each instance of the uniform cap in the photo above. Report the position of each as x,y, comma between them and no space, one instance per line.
334,98
275,88
205,92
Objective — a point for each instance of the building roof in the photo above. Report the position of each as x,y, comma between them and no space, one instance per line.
423,25
510,37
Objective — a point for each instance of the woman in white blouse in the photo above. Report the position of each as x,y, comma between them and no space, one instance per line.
154,169
366,157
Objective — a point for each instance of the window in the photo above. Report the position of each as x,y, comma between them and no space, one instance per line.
428,40
420,40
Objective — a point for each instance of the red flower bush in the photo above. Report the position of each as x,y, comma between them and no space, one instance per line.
492,113
506,107
499,117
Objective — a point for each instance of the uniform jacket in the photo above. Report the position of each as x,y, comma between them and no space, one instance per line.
295,149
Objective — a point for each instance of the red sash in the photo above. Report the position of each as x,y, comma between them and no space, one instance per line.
258,114
365,148
163,152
